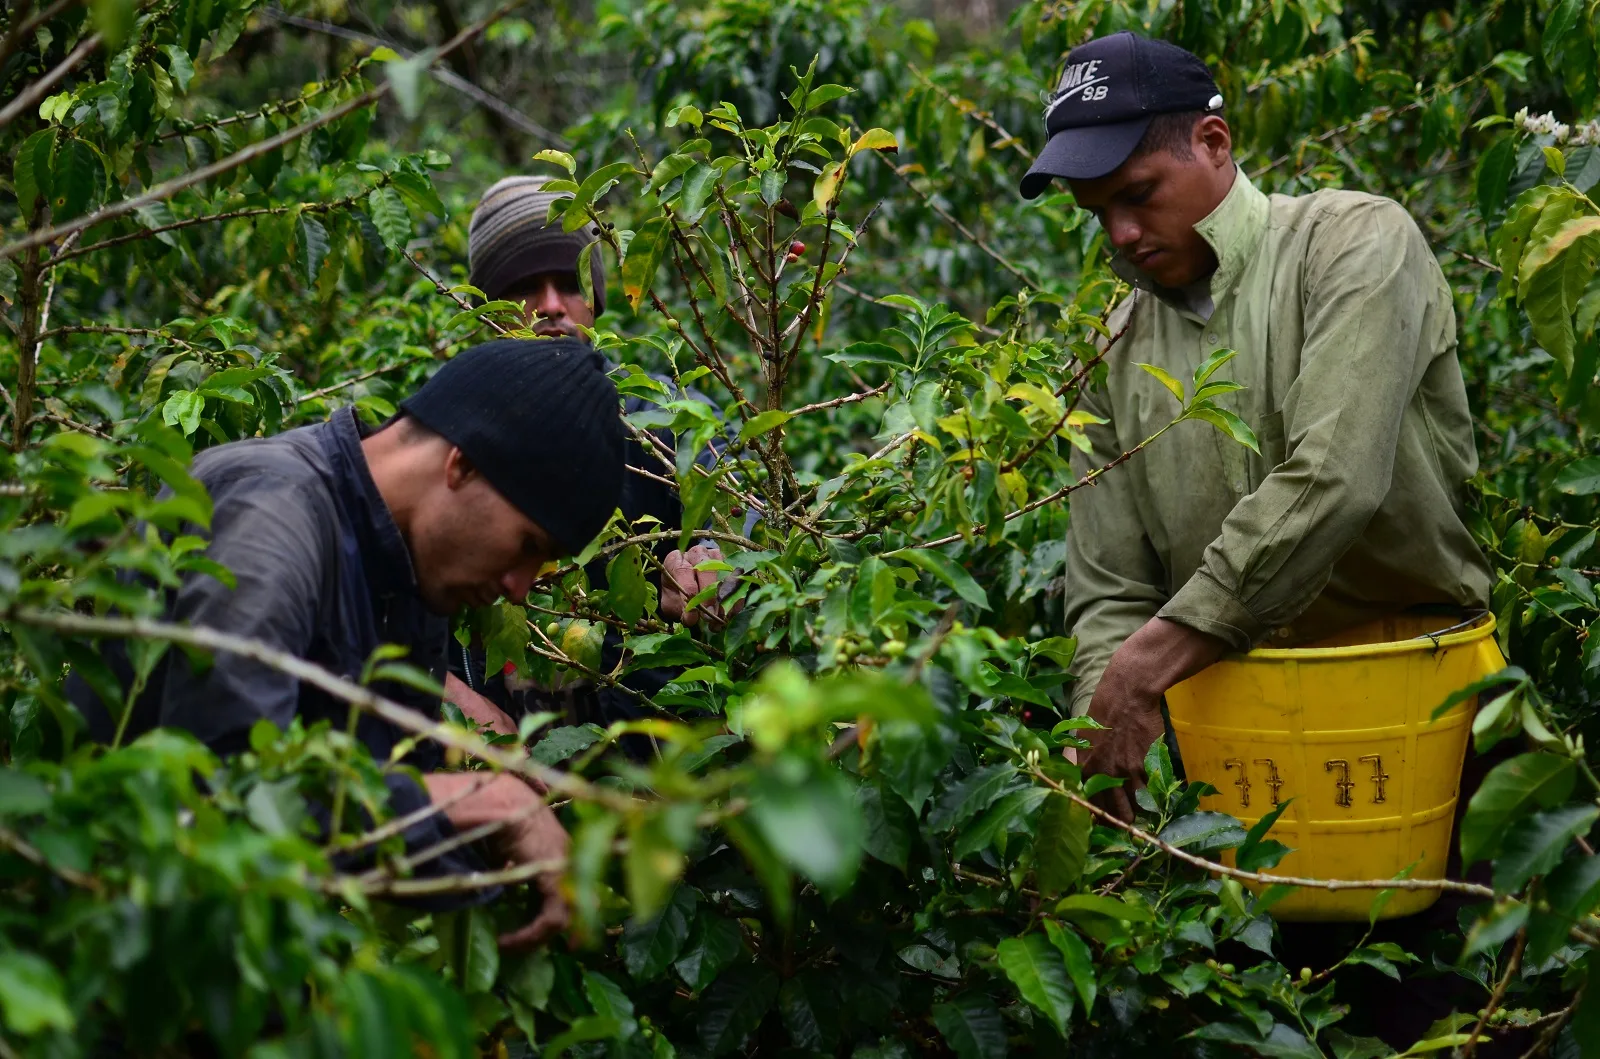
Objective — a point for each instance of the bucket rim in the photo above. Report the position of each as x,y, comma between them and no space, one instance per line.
1481,628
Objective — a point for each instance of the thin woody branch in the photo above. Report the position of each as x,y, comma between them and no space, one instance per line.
40,88
353,380
1077,380
966,232
399,824
682,241
169,188
487,100
20,31
340,885
408,720
1470,1049
210,218
850,398
1262,878
968,109
1088,479
30,853
185,128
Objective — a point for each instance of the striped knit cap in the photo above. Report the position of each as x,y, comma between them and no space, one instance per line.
509,240
540,420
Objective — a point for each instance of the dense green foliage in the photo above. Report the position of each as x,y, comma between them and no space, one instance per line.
858,835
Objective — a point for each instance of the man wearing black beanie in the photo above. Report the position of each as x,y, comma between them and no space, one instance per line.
341,539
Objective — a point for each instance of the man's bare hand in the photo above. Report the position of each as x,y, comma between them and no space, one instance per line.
531,835
540,837
1128,702
477,707
681,582
1133,718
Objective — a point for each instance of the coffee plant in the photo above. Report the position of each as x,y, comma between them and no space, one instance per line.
845,825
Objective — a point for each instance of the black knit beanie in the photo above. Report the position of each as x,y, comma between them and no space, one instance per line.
541,420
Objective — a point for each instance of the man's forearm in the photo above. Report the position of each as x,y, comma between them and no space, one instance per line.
470,799
1162,653
1128,701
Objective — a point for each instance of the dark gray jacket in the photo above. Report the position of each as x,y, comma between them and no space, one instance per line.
322,573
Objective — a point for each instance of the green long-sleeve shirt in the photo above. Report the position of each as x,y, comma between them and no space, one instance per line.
1346,345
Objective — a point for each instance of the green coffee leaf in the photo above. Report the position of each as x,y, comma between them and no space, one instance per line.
311,245
1494,176
684,116
1061,844
1258,852
762,422
714,942
405,80
1203,832
1037,971
875,140
735,1005
1079,960
971,1027
419,191
561,743
1580,477
649,946
1536,844
890,827
178,66
1110,907
1509,793
31,996
183,410
947,570
560,158
813,823
698,184
645,254
22,794
32,168
390,216
1160,375
1227,422
73,179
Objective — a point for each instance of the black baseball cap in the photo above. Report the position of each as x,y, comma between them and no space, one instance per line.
1109,91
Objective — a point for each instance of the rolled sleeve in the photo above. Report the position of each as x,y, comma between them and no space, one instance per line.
1367,279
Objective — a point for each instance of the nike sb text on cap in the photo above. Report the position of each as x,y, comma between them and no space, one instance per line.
1110,89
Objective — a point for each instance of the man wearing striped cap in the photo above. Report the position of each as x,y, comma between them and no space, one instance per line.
515,253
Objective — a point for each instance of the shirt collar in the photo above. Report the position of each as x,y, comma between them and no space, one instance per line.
1234,231
385,555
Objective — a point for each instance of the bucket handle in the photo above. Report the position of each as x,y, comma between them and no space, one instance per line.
1473,618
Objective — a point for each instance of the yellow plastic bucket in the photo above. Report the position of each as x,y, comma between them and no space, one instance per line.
1343,727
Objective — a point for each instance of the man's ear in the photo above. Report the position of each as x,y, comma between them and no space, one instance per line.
458,469
1213,140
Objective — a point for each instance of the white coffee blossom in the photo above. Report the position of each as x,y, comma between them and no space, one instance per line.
1546,125
1540,124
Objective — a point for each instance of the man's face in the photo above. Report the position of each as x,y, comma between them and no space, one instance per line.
1150,205
470,546
553,302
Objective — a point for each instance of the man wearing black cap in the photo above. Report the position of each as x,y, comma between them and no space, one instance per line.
515,253
1352,508
1345,332
339,539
